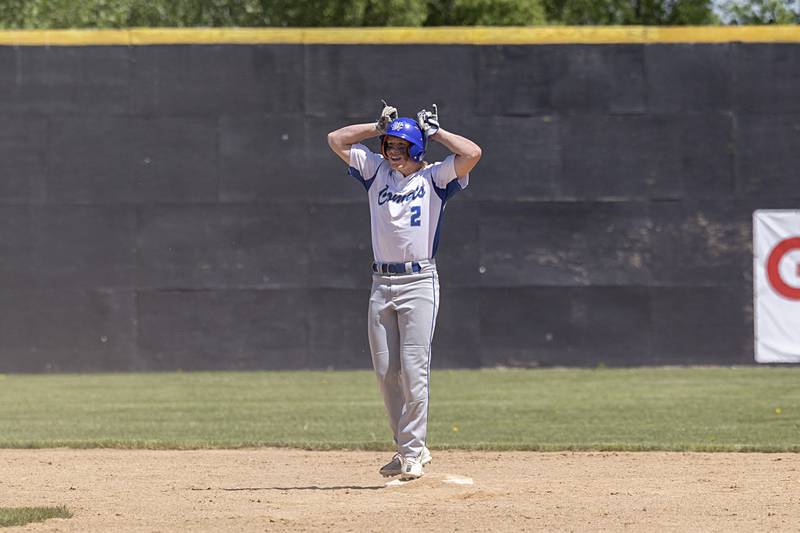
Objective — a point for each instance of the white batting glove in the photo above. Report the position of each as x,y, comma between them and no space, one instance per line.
388,114
428,121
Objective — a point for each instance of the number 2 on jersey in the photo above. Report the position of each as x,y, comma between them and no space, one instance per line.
416,213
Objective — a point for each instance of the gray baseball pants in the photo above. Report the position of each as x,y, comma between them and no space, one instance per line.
402,318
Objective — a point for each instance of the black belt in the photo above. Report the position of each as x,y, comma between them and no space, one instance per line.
396,268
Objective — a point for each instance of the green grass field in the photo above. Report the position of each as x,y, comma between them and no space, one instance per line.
701,409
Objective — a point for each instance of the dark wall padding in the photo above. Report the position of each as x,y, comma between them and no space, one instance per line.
166,207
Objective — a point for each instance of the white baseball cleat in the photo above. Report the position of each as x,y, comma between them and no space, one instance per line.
425,457
395,466
412,469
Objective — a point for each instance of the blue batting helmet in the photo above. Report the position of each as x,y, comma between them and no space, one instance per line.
407,129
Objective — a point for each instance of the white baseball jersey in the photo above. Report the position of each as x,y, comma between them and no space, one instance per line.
405,211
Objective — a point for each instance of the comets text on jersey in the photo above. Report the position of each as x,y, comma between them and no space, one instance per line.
385,196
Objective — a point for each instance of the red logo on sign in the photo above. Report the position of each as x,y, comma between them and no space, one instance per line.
774,274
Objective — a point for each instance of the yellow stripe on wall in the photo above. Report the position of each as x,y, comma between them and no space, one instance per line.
440,35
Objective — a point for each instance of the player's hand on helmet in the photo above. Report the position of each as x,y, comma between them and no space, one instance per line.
388,114
428,121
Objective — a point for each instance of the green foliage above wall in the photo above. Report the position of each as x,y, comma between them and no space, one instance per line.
356,13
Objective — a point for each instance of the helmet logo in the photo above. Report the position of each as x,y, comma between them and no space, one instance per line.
397,125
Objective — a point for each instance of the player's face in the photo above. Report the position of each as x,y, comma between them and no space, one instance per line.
397,153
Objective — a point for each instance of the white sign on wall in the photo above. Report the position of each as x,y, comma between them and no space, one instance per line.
776,280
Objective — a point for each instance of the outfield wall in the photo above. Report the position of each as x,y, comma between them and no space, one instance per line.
170,205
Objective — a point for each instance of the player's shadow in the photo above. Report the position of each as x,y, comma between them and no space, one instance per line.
310,487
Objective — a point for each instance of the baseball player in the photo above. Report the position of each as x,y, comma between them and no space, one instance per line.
407,197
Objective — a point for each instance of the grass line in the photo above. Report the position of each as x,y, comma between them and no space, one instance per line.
674,409
19,516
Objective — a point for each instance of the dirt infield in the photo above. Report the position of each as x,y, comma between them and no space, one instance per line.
295,490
